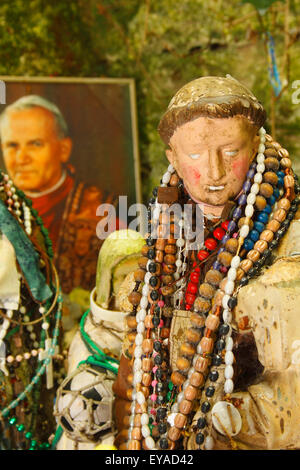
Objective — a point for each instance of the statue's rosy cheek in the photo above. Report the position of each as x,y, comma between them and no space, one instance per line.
240,166
191,173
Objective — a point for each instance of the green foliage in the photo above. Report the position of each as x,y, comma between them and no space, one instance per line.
162,44
261,4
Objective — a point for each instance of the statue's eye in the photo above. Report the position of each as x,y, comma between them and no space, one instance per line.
194,156
230,153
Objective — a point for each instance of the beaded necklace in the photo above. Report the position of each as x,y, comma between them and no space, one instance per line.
245,249
44,350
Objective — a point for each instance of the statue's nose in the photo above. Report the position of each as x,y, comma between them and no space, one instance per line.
216,169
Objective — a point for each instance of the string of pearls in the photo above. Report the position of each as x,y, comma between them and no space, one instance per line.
236,260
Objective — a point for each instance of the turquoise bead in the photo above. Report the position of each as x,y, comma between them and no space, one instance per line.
248,244
254,235
259,226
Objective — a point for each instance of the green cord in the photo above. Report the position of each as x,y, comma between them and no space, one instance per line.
94,361
57,436
98,356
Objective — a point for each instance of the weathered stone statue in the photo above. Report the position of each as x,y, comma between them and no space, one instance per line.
212,353
84,404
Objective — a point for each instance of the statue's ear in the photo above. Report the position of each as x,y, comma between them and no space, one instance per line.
170,156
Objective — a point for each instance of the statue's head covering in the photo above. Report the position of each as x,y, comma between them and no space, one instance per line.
214,97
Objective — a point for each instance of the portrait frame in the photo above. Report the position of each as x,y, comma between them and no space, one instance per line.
125,96
102,124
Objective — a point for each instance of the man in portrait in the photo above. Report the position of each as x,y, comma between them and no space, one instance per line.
36,148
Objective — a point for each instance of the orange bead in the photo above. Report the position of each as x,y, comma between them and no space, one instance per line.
246,264
134,445
182,363
174,180
169,268
142,262
190,393
141,408
219,297
159,256
139,275
147,364
260,202
174,434
266,190
193,336
253,255
197,379
170,259
286,163
289,181
137,420
147,345
225,258
180,420
177,378
267,235
284,203
186,349
170,249
168,290
165,333
162,231
213,277
270,177
160,244
148,321
146,379
185,407
279,215
206,290
136,434
283,153
201,364
134,298
145,250
273,225
202,305
131,321
207,345
130,378
261,246
197,320
212,322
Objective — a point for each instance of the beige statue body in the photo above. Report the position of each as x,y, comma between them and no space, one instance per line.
211,352
84,403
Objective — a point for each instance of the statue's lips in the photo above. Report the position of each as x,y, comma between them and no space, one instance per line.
219,187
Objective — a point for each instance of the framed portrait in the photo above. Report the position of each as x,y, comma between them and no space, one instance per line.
71,145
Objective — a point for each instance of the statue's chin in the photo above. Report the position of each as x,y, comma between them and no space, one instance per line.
214,199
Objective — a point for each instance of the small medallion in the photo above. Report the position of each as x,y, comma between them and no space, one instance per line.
226,418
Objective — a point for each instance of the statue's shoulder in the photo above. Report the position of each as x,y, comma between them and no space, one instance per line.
280,280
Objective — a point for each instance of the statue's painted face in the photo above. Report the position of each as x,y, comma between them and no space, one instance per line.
212,156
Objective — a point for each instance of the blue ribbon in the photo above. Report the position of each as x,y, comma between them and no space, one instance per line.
26,255
273,70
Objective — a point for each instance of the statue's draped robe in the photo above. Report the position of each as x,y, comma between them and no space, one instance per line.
270,404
